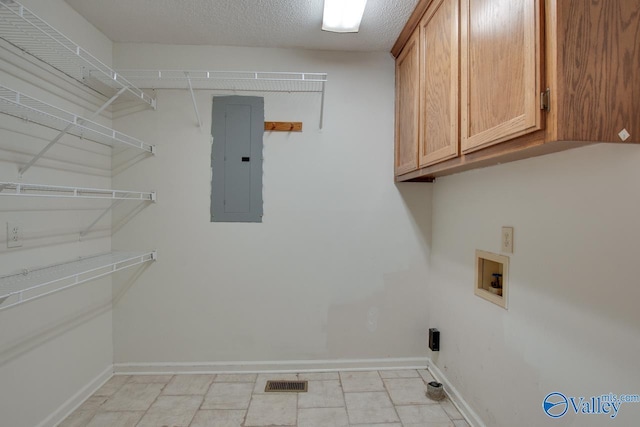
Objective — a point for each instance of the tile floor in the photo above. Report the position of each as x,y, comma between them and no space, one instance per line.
340,399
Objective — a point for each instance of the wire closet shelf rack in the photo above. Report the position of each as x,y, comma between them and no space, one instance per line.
17,104
55,191
231,81
25,30
32,284
241,81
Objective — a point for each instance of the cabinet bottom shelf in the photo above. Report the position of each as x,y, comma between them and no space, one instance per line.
521,148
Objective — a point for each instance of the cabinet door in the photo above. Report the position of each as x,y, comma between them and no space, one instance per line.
407,106
500,66
439,44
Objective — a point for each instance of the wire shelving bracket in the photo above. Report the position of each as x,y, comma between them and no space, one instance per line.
193,98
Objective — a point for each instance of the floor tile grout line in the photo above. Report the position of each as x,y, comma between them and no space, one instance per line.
207,392
118,389
344,398
191,394
195,413
154,401
246,411
128,381
298,400
384,384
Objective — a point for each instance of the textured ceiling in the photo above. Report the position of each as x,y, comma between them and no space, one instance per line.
254,23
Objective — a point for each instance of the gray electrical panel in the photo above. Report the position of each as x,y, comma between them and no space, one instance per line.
236,159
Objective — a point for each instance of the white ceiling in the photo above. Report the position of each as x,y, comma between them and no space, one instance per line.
254,23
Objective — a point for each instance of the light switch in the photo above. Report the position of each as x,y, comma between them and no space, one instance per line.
507,240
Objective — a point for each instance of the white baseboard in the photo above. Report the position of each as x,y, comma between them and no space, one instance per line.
454,395
77,399
273,366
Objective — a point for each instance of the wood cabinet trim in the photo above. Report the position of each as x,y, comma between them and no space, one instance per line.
410,27
491,136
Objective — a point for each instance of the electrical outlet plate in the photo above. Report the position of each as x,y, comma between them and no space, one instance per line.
507,240
14,235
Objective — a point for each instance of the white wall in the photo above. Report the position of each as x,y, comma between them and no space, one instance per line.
338,268
573,324
51,348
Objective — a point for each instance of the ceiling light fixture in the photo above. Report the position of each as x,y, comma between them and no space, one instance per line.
343,16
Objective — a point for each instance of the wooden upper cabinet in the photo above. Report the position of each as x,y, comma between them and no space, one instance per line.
407,106
591,59
439,80
598,76
500,71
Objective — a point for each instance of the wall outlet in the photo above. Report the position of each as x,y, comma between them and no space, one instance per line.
14,235
434,339
507,240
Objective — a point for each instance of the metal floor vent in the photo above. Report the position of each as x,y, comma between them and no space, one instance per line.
286,386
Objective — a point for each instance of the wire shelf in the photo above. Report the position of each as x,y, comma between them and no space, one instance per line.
53,191
14,103
32,284
251,81
25,30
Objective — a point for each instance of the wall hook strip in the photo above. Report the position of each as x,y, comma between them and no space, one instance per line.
283,126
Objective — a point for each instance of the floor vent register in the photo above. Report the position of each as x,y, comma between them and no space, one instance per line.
280,386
